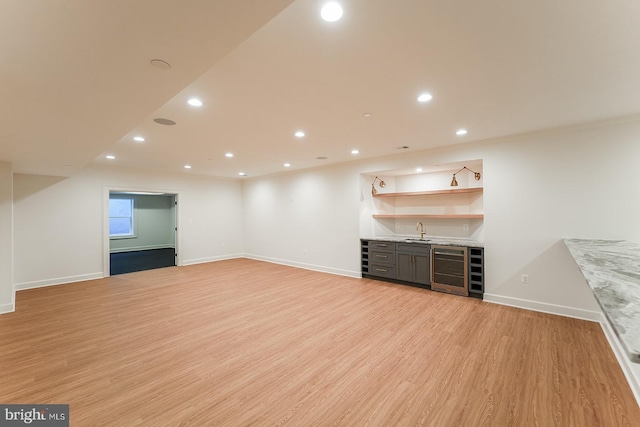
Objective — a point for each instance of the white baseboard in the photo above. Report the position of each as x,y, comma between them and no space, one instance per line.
7,308
560,310
631,370
141,248
57,281
211,259
313,267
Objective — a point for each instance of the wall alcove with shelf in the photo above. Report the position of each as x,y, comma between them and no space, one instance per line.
409,197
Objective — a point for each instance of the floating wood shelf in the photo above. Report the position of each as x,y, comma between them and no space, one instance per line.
432,193
433,216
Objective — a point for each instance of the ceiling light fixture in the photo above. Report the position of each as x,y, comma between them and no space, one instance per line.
287,165
373,186
461,132
187,166
299,134
454,181
355,151
418,169
425,97
138,138
229,155
195,102
242,174
367,115
110,157
331,11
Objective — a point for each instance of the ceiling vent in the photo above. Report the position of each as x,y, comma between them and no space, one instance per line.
165,122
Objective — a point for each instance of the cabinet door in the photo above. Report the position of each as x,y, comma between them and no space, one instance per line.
421,270
404,266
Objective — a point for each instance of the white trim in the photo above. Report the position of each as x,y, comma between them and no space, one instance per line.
543,307
313,267
211,259
631,370
7,308
57,281
142,248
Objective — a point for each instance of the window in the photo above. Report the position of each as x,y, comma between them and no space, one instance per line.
121,217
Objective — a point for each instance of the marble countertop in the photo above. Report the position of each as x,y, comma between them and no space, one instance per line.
612,270
430,240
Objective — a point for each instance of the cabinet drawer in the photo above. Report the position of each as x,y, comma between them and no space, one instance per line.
384,258
388,271
416,249
382,246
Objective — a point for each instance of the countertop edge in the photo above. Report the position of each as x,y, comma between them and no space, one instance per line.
610,268
428,240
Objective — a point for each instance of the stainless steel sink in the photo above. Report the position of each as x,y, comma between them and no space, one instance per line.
416,239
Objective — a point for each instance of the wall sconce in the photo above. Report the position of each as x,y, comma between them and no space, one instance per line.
454,182
373,187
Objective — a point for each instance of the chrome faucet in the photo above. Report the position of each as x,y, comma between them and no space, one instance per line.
420,228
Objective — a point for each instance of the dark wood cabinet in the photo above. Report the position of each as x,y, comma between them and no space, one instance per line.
476,272
380,259
410,263
413,263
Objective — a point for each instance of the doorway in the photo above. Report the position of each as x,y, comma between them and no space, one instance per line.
141,231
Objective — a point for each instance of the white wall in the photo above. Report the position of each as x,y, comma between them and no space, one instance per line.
59,224
307,219
154,224
538,189
6,238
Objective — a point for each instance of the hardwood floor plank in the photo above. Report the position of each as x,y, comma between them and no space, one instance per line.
242,342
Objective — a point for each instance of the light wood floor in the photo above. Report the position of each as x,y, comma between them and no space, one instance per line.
241,342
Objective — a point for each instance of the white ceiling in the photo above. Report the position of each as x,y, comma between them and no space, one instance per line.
77,84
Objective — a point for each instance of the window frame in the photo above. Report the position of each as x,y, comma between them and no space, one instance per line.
131,235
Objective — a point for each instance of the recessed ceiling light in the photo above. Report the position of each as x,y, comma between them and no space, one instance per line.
461,132
418,169
110,157
322,157
187,166
195,102
355,151
229,155
242,174
287,165
425,97
367,115
331,11
299,134
138,138
165,122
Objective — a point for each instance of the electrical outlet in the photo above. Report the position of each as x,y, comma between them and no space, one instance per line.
524,278
465,227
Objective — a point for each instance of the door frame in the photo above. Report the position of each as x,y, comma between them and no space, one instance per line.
106,259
